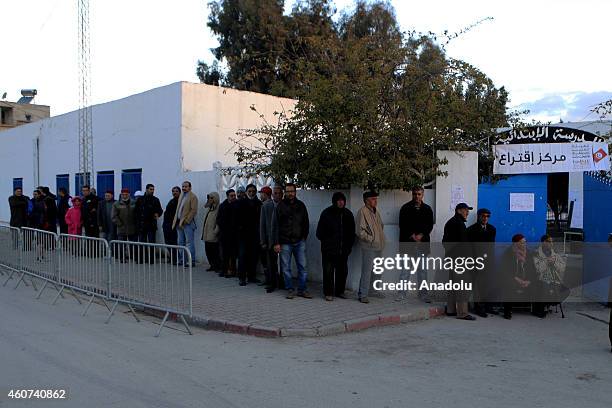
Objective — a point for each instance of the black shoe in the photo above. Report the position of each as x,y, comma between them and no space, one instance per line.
482,313
507,316
221,275
210,269
254,281
242,283
269,290
449,314
468,317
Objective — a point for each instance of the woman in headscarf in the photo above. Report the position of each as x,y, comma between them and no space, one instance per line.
521,281
73,217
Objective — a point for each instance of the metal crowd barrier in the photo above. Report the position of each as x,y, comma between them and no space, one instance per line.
146,275
38,256
154,276
10,250
83,266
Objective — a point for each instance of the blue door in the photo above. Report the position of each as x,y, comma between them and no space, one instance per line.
17,183
105,182
132,180
80,180
62,181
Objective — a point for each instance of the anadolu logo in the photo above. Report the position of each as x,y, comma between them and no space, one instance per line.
599,155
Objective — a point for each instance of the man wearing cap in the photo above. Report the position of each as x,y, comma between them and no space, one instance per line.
184,219
455,244
370,231
105,216
482,236
416,220
273,279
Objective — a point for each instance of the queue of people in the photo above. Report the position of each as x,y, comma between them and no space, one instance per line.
271,230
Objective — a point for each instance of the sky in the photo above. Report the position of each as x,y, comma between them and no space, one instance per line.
553,56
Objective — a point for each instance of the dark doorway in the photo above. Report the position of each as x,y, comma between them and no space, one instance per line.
557,200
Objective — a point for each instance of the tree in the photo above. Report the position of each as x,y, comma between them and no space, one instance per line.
210,75
374,107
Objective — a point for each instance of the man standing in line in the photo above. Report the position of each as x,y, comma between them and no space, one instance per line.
455,245
226,221
105,217
124,217
290,227
210,232
50,209
336,231
273,279
249,211
62,208
482,235
149,212
89,212
170,237
18,204
184,220
370,231
416,221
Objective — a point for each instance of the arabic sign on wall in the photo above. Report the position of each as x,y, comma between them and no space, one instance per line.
546,134
550,158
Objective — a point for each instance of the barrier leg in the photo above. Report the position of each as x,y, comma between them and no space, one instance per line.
31,282
75,296
112,312
56,288
9,278
21,278
133,313
161,326
88,305
185,324
42,290
58,294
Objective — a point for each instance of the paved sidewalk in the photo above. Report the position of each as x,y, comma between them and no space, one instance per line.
220,304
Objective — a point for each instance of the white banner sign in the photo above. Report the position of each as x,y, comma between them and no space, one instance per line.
550,157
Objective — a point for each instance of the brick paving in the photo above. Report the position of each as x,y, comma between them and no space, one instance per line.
221,304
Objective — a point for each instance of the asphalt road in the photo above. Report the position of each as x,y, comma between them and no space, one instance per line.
525,362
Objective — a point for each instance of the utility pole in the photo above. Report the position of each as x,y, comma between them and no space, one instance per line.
86,164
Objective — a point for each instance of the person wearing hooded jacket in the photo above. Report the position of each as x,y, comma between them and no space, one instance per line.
336,231
210,232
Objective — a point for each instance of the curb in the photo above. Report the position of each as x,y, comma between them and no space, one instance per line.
346,326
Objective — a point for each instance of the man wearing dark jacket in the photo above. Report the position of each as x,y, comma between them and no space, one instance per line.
148,210
105,217
170,237
18,204
89,212
37,216
273,279
226,220
416,221
482,236
454,240
336,231
290,227
248,211
63,205
50,209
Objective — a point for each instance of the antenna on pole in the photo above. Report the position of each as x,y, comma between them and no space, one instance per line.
85,111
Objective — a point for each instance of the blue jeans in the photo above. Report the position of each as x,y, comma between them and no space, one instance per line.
298,250
185,238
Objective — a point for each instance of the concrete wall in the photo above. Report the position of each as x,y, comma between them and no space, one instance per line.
462,169
212,115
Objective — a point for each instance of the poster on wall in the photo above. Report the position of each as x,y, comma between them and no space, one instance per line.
550,158
522,202
457,196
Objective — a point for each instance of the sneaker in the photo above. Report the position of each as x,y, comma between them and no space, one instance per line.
364,300
305,295
290,294
329,298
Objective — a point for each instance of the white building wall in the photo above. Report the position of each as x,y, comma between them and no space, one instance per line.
212,115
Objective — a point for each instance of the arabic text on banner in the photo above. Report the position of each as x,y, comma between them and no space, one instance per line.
550,158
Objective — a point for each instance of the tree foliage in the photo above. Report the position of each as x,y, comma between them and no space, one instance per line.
373,103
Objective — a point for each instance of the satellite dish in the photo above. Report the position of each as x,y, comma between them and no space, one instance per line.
4,95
